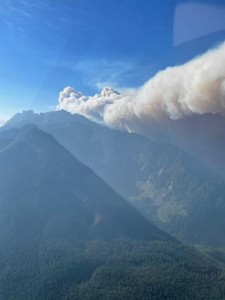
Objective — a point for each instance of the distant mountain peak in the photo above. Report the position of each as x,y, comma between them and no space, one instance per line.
30,117
25,115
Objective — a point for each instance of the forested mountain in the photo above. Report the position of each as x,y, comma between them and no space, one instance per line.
172,188
66,269
45,191
66,235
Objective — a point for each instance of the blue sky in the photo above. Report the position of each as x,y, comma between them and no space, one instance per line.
47,45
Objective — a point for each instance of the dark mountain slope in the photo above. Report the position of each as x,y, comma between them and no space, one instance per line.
118,269
58,224
44,190
175,190
104,150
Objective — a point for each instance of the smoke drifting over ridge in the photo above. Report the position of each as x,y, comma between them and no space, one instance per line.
195,88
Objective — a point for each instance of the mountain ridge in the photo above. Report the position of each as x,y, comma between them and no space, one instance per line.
64,234
51,172
175,190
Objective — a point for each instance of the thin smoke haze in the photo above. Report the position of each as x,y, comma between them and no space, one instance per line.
2,122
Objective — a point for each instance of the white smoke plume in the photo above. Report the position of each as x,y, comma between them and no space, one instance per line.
195,88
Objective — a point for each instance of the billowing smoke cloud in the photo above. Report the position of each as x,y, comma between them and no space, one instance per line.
195,88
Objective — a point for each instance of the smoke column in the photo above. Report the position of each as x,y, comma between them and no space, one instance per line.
195,88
